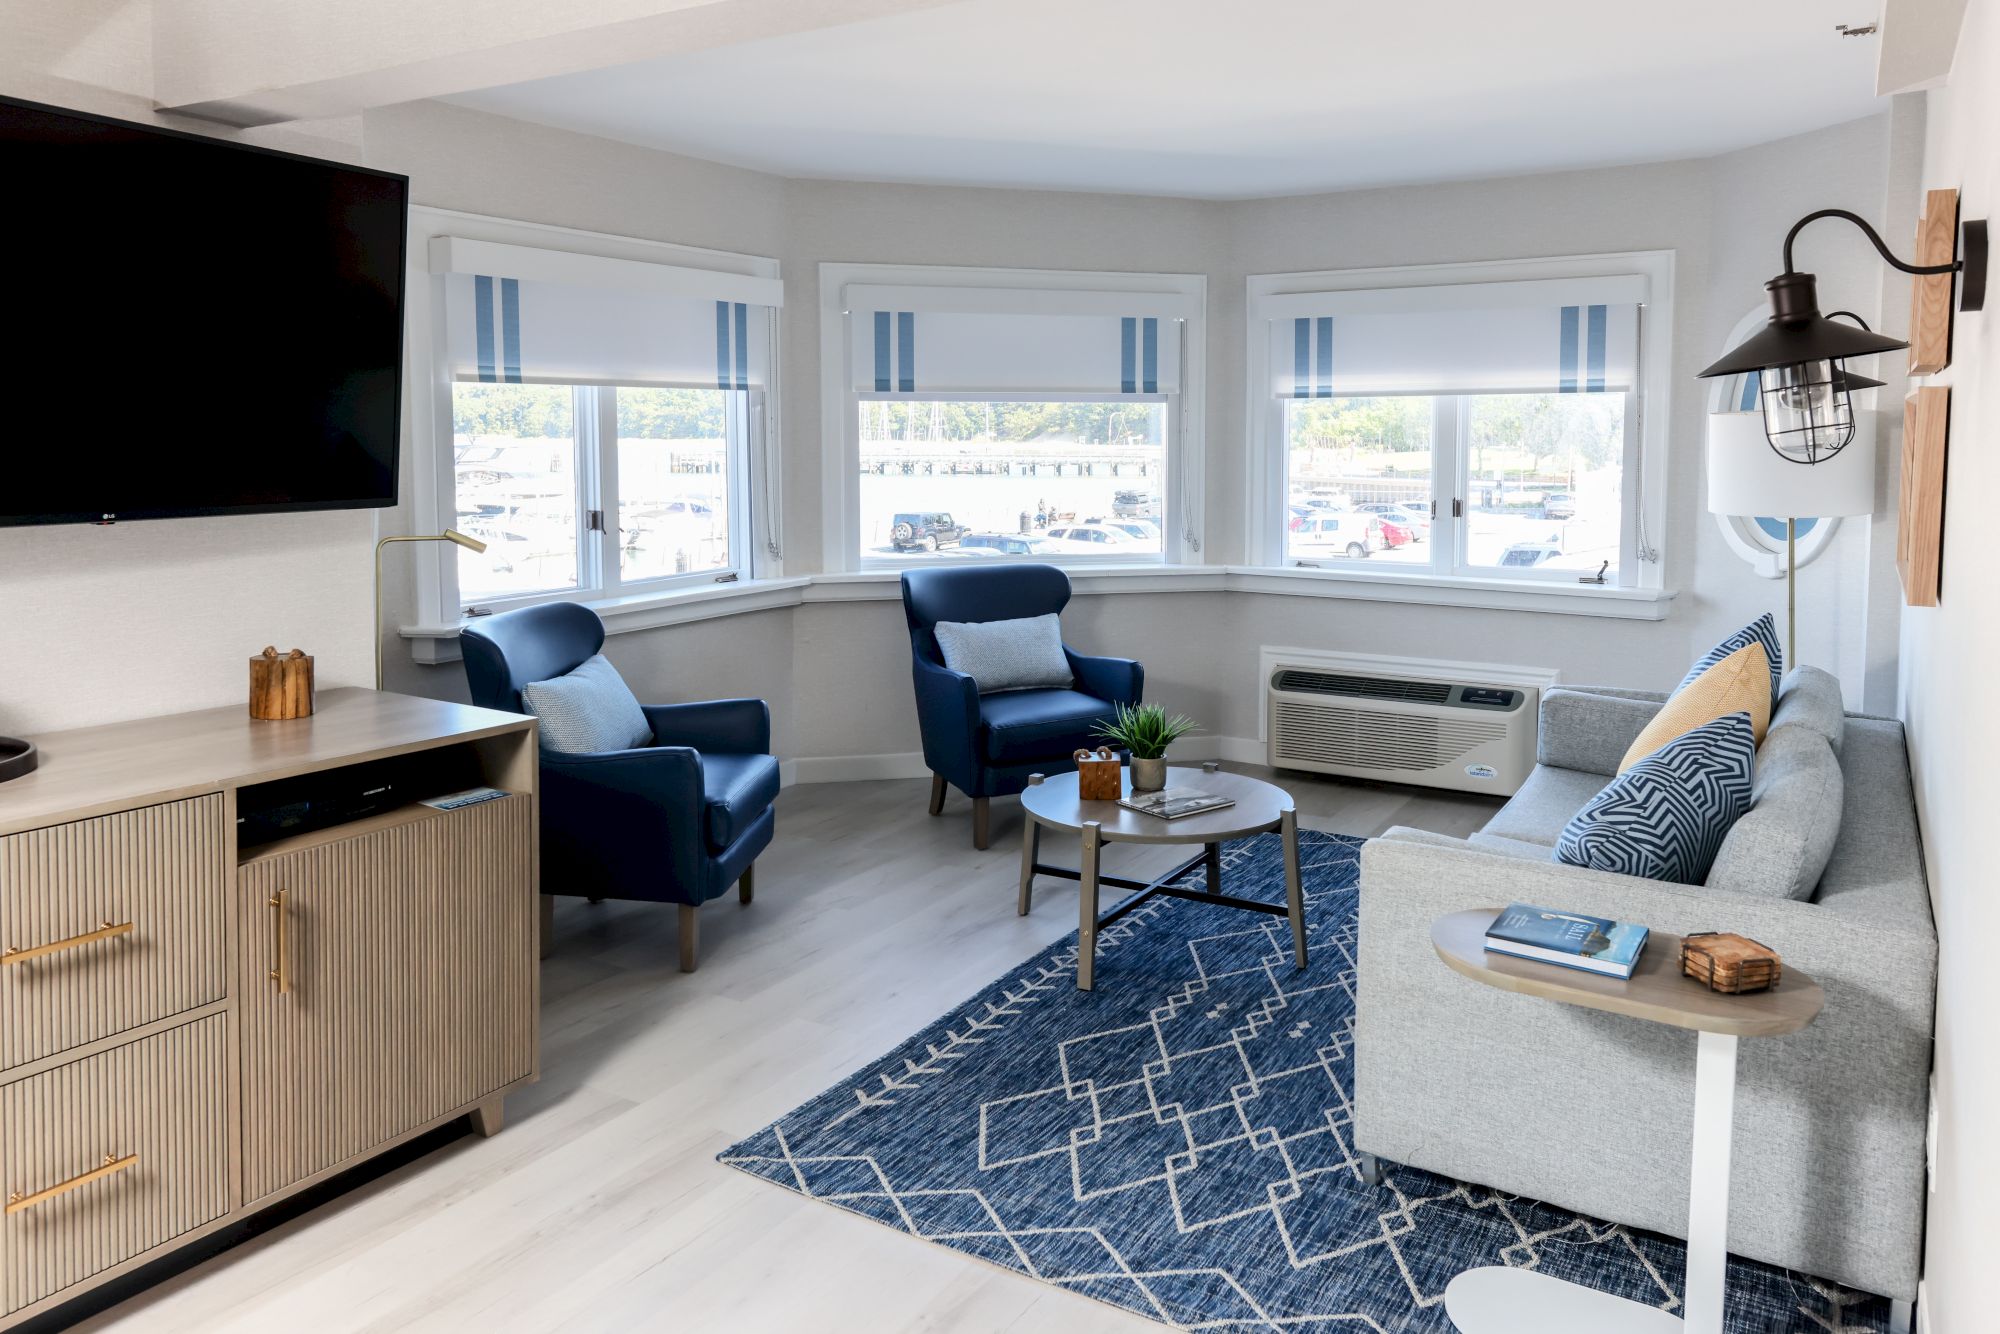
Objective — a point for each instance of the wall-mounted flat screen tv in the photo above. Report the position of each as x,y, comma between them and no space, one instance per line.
190,326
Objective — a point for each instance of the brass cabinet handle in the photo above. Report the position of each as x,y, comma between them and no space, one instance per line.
282,974
105,931
112,1163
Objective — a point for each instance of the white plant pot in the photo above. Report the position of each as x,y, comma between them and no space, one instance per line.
1149,775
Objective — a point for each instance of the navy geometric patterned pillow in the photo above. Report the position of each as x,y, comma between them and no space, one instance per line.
1760,631
1666,816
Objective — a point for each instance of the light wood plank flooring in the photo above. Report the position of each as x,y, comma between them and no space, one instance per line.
600,1206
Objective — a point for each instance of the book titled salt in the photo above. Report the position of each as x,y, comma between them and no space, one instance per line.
1568,940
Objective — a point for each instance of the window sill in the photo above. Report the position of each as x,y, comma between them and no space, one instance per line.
433,644
1445,590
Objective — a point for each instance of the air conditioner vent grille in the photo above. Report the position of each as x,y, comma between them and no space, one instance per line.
1361,687
1383,742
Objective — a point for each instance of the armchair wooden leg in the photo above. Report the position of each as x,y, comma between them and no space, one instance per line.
746,886
937,794
548,931
690,938
982,820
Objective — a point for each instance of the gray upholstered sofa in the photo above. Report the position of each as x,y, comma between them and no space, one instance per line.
1592,1111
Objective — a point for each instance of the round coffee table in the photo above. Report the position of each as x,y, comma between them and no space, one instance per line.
1052,802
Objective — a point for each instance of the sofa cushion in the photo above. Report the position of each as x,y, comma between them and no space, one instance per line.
1811,698
1024,654
1739,682
1024,725
1781,845
1666,816
1588,728
1762,631
588,711
736,789
1545,803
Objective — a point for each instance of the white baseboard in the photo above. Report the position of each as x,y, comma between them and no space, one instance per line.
910,764
852,768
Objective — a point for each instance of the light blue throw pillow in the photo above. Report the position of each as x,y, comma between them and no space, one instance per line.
1666,816
1024,654
1763,631
589,711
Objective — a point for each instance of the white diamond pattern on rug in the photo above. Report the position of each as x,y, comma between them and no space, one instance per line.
1177,1143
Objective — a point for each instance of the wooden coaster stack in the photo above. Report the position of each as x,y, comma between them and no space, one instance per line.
1726,962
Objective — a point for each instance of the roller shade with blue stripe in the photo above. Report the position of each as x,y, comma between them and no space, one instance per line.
509,330
956,352
1490,338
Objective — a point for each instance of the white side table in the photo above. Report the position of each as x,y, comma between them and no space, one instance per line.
1498,1299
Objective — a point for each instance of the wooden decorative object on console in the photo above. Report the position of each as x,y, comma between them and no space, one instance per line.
1920,519
281,687
1097,775
1732,964
1930,295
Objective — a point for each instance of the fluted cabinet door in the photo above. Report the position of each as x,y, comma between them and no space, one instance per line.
333,961
111,1155
387,981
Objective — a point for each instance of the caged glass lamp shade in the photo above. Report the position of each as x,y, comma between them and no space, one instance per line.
1800,355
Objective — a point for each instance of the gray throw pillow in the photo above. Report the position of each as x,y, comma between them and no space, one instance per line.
1811,698
1007,655
589,711
1781,846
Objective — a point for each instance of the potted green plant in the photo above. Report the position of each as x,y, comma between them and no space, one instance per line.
1145,730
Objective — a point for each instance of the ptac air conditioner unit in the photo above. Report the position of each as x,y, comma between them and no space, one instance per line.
1476,738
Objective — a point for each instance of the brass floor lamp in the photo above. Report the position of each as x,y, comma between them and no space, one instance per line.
448,535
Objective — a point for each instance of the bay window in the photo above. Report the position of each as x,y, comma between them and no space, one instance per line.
1414,425
1037,416
604,422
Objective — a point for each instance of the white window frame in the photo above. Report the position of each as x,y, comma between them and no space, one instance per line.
753,422
1642,535
1185,297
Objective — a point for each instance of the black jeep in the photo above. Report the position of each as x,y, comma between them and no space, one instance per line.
926,532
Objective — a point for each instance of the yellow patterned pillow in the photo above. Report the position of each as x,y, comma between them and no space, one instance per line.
1740,683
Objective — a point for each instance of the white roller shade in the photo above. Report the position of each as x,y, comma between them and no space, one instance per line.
552,317
955,352
1567,336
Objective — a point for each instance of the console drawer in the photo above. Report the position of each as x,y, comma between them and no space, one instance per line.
109,1156
109,923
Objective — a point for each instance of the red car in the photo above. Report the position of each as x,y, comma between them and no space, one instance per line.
1395,534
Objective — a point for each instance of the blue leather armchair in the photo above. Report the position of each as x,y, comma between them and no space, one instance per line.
676,822
987,745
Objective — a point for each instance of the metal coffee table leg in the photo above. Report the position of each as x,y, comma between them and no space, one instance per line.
1212,859
1295,896
1086,931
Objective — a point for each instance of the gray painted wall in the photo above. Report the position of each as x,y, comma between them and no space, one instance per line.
836,673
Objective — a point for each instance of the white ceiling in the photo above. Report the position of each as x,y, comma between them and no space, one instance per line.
1227,100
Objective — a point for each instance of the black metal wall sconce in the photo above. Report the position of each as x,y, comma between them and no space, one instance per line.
1799,355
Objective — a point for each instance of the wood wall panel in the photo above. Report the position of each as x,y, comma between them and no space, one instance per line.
163,1099
162,869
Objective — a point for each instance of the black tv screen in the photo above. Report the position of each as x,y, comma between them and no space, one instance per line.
192,326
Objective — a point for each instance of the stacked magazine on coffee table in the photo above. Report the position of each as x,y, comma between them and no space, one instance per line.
1175,803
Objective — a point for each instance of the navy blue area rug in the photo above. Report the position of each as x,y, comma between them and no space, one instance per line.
1177,1142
